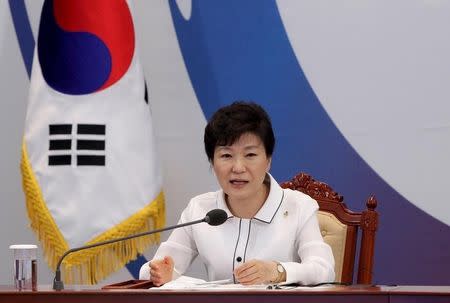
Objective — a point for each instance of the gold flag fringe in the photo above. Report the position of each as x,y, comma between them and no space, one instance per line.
91,265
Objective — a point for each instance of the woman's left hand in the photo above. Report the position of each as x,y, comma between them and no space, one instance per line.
256,272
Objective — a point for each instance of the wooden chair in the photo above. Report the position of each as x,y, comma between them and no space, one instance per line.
339,227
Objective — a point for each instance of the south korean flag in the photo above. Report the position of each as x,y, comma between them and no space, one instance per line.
89,167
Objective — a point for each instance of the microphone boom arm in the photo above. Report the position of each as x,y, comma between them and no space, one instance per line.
58,283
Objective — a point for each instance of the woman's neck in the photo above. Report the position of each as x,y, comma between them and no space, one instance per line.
247,208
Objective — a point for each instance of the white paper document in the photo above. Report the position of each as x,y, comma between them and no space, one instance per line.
185,282
189,283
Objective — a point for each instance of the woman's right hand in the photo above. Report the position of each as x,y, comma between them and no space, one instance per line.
161,270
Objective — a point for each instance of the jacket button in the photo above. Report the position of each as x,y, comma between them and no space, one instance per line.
239,259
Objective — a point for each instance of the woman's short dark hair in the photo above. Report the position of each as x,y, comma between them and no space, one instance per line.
230,122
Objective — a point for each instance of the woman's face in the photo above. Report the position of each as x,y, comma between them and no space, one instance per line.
241,167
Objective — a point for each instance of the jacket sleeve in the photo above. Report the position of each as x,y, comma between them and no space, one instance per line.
180,246
317,261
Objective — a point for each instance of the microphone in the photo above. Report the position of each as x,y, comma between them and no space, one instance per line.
213,217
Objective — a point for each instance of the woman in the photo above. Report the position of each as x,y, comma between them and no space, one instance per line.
271,234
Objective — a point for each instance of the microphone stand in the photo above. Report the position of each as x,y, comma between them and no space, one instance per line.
57,281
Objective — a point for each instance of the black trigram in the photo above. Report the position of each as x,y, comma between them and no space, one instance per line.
89,143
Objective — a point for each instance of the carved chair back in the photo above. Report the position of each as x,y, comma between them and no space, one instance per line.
339,227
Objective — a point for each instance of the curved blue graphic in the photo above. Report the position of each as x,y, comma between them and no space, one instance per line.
23,32
66,57
239,50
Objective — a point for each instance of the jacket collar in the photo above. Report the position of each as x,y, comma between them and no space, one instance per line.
269,208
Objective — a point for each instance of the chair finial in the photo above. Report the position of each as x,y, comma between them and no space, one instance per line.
372,202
